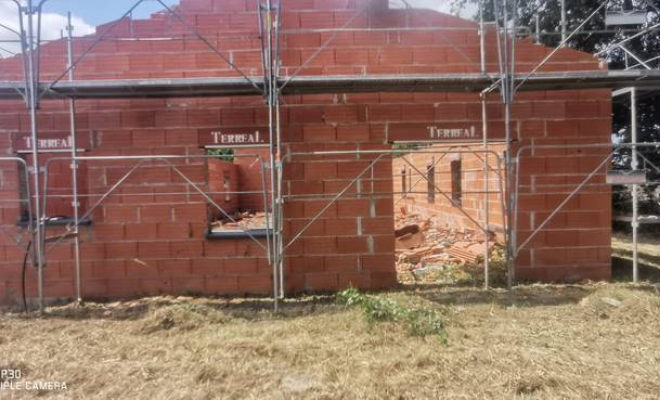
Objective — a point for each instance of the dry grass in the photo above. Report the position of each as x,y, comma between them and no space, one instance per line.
537,342
648,247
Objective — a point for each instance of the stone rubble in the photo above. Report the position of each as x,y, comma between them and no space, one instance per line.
422,245
244,221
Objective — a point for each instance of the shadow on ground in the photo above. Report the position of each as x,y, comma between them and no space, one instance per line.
240,308
622,270
255,309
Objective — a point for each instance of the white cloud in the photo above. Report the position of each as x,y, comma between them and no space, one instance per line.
52,27
438,5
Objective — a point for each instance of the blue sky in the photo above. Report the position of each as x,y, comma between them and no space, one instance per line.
96,12
87,14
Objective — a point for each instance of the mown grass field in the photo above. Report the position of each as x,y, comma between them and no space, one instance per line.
597,341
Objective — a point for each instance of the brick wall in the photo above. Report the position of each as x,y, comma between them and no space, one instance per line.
148,237
576,243
223,183
250,178
468,212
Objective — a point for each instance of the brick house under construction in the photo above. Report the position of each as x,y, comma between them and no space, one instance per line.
151,235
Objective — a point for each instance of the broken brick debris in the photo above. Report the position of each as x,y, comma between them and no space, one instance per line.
422,243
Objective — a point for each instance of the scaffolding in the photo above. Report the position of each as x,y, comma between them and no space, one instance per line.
273,86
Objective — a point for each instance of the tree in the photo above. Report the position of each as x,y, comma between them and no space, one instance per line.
596,36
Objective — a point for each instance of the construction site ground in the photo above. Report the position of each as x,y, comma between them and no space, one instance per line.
595,341
428,251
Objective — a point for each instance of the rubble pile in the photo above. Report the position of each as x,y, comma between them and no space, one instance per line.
422,245
242,221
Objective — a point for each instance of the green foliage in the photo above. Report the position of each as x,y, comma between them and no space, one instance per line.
224,154
418,321
596,36
349,297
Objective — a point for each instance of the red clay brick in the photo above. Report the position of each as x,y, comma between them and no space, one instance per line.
320,245
115,251
321,282
142,231
341,227
118,214
156,213
319,133
377,262
175,267
149,250
255,284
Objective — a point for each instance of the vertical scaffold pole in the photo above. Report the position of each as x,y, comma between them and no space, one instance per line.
635,188
272,153
484,122
564,22
482,38
33,99
74,166
278,145
507,97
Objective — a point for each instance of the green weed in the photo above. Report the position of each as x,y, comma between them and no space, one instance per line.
418,321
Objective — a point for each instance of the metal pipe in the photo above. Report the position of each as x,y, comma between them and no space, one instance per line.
80,195
584,183
507,98
98,202
412,185
33,99
482,38
278,134
563,203
500,59
514,41
587,146
142,160
378,152
208,44
97,41
631,54
38,42
441,192
376,194
537,25
271,152
647,61
11,53
262,40
211,201
442,36
14,31
397,29
269,237
561,45
484,122
264,198
628,39
24,52
564,23
334,199
635,188
74,167
325,44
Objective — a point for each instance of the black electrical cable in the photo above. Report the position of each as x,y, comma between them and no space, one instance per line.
25,259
